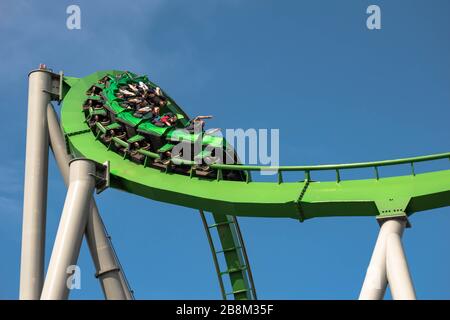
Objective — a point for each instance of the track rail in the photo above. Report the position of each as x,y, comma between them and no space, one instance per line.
333,167
308,169
301,200
380,197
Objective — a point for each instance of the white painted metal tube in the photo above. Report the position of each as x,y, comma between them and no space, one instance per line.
58,143
375,283
109,271
35,187
398,275
106,263
71,229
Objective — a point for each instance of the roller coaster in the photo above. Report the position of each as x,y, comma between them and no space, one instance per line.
136,137
99,142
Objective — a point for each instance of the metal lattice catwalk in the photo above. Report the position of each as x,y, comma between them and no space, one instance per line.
100,146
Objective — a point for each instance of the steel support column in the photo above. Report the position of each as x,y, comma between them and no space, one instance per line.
109,270
107,266
71,229
398,274
35,186
376,280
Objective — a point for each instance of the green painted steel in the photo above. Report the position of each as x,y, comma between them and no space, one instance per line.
337,167
304,199
301,200
232,249
238,268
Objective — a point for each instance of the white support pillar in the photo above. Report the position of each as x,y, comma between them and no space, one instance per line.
107,266
109,271
398,275
388,265
71,229
375,283
35,186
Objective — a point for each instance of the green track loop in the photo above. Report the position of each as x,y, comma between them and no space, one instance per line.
368,197
378,196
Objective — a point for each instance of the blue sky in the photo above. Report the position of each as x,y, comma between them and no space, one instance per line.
337,91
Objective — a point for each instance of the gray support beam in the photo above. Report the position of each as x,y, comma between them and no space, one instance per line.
35,186
398,275
375,282
388,264
107,265
71,229
109,270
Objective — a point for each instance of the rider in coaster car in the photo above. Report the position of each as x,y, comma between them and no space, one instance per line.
197,124
169,119
147,112
142,109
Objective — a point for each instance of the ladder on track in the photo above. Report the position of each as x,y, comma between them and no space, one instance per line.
235,255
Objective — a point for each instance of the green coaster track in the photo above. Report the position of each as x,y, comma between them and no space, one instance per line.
226,190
